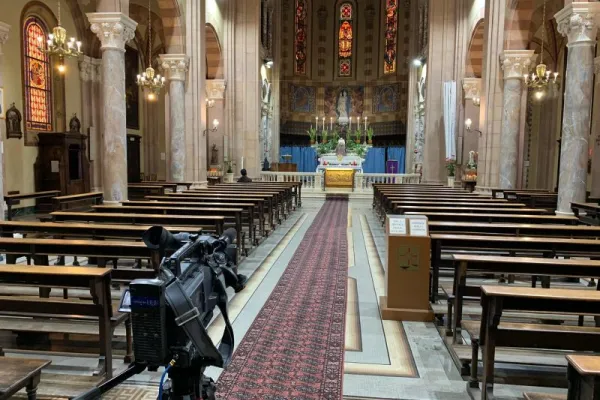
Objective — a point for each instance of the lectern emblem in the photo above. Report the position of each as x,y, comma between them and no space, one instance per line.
408,258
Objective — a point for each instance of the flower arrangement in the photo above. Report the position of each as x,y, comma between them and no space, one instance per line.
324,136
230,164
450,166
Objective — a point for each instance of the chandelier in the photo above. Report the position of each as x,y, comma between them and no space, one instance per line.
57,44
149,80
542,77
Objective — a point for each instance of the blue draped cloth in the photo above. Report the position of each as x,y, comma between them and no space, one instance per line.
399,154
374,161
304,157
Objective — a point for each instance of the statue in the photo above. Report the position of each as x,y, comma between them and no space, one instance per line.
13,123
340,150
75,124
343,107
214,155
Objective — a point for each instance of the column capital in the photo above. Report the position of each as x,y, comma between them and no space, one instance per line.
4,29
174,66
516,63
597,65
472,87
215,89
579,23
114,29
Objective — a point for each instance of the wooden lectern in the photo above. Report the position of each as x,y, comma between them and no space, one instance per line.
407,269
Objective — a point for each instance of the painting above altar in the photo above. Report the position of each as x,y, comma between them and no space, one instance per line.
344,102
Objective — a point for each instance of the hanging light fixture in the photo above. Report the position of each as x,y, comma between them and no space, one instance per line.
57,44
542,77
149,80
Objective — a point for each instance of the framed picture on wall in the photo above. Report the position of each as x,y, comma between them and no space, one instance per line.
2,108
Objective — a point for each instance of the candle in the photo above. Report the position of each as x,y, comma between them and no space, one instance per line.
350,127
316,122
79,47
358,122
242,162
323,123
365,123
331,123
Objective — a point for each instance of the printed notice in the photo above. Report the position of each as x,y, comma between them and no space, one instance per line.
398,226
54,166
418,227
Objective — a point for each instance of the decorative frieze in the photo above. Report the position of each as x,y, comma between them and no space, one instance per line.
215,89
472,87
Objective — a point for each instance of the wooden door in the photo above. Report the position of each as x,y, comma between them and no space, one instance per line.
133,158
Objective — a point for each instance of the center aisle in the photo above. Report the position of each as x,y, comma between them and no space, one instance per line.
295,346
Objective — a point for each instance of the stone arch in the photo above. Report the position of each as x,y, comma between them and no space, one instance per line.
517,20
554,42
171,14
214,58
140,14
475,53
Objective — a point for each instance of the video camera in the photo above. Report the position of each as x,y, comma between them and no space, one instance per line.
170,314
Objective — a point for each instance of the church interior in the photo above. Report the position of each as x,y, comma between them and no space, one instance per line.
299,199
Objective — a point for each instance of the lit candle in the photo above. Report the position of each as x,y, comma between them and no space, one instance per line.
49,43
316,122
330,123
350,127
365,123
242,162
323,123
79,47
358,122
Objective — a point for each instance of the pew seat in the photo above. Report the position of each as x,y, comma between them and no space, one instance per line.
583,374
544,396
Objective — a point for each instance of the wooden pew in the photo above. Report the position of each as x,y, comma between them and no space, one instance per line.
493,333
295,186
269,201
138,192
402,209
206,221
89,199
100,308
583,374
253,206
281,199
542,200
512,229
588,213
19,373
549,247
186,184
465,263
167,186
503,193
456,203
149,208
12,199
386,201
497,218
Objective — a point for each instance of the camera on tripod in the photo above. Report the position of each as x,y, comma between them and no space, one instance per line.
170,314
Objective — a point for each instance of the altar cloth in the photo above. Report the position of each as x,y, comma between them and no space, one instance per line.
339,177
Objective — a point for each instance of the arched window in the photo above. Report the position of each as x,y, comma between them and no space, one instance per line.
345,39
37,77
391,36
301,37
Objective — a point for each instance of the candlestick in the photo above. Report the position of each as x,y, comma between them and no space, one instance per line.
323,123
350,127
317,123
331,123
365,123
242,162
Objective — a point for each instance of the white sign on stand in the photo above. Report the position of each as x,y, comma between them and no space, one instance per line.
418,227
397,226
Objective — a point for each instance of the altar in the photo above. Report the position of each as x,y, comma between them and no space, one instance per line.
339,178
352,162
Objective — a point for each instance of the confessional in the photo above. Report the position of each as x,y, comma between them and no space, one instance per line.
62,163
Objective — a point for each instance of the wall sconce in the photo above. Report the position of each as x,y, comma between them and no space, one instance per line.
210,103
417,62
214,127
468,124
476,101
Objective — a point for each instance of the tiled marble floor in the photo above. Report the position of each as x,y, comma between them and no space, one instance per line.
392,361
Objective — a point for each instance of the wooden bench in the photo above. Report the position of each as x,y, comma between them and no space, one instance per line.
186,184
548,247
138,192
465,263
384,204
280,201
167,186
501,193
19,373
504,229
296,188
149,208
495,333
98,309
402,209
88,199
206,221
583,374
588,213
12,199
497,218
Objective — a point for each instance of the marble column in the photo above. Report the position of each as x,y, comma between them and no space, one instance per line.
579,23
95,139
4,30
175,67
114,29
515,63
595,187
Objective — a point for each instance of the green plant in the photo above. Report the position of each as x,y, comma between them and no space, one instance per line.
450,166
324,136
312,134
360,151
335,135
357,135
230,164
370,134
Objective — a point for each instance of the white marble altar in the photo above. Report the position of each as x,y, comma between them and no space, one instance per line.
331,160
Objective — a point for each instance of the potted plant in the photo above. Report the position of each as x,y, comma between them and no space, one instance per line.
312,134
229,174
357,136
451,168
370,135
324,136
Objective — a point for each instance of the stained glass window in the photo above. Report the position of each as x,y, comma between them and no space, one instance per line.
391,35
38,83
300,40
345,40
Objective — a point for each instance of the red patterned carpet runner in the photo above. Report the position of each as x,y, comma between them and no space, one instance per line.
295,346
